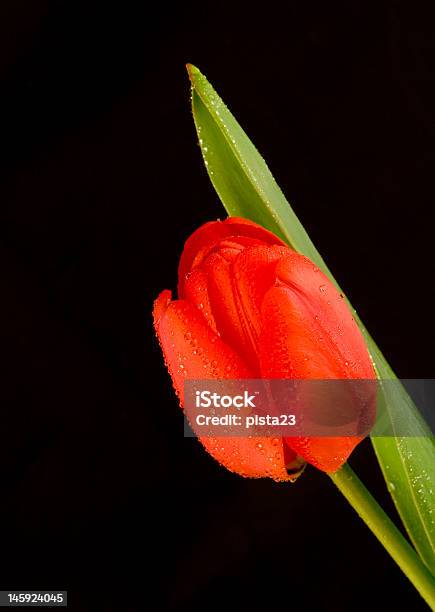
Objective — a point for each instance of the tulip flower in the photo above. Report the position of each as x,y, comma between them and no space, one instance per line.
250,307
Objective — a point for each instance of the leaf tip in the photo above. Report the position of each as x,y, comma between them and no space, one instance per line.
192,71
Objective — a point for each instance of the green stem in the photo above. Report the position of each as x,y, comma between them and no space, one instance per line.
386,532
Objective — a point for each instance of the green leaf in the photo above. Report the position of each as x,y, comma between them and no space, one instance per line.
247,189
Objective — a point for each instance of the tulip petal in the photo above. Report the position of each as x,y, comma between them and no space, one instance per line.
254,457
308,333
325,340
204,239
193,350
254,273
237,282
190,347
235,329
283,354
196,292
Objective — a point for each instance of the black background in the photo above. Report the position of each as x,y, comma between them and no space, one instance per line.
101,183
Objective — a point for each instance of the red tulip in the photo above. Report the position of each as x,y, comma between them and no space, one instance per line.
250,307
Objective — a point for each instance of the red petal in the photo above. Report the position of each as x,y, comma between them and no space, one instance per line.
322,336
233,326
250,457
192,350
245,227
254,273
202,241
236,286
196,292
190,347
309,333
